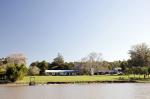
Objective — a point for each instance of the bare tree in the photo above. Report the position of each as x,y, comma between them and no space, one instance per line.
91,62
17,58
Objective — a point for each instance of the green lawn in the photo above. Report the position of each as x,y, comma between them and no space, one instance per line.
74,79
45,79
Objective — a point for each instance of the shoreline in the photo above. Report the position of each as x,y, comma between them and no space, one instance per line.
46,80
81,82
89,82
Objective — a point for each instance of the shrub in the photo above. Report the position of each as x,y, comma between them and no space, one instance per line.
15,72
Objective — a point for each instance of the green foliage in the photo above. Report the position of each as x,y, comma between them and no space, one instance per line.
140,55
43,66
69,65
115,64
144,70
2,69
59,60
15,72
34,63
33,70
128,71
124,65
59,64
84,78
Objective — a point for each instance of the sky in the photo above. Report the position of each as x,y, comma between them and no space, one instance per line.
42,28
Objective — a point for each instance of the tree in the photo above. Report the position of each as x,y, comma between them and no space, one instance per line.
15,72
144,71
106,66
148,71
139,71
2,71
34,70
13,67
124,65
69,65
38,68
3,61
115,64
34,63
59,60
16,58
140,55
128,71
91,63
58,63
43,66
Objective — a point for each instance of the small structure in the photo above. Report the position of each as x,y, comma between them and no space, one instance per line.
103,72
113,71
118,70
61,72
32,81
92,71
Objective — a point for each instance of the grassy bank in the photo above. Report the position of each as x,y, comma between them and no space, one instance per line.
82,79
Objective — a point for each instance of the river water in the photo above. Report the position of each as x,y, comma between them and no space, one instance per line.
77,91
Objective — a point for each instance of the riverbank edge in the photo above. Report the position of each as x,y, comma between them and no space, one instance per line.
77,82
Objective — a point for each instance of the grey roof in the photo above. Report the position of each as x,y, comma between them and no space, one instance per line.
58,71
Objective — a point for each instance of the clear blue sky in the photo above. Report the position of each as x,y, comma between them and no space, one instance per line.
42,28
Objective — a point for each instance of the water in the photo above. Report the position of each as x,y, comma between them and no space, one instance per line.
77,91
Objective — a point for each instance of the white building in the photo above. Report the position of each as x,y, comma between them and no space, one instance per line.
61,72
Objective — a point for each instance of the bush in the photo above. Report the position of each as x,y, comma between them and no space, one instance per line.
15,72
34,71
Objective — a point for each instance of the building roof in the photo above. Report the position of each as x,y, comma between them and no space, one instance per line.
106,71
58,71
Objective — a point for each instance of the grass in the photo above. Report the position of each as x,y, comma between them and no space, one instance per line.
45,79
80,79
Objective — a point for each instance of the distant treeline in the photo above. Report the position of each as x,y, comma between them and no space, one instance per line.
14,66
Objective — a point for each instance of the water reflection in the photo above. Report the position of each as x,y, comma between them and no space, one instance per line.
77,91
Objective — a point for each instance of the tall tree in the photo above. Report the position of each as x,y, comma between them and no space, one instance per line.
92,62
58,62
59,59
43,66
140,55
